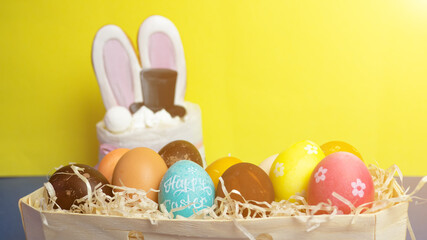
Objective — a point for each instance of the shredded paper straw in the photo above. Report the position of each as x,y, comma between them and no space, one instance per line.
130,202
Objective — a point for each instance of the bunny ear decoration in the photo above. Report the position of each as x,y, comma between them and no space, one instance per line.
160,46
116,67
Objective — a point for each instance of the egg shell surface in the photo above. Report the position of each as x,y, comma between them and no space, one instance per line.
140,168
218,167
69,186
186,183
339,146
266,164
345,174
180,150
109,162
250,181
291,170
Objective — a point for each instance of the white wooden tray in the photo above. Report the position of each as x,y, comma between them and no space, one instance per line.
390,224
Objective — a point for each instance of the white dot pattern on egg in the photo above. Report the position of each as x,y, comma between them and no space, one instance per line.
278,170
320,174
311,149
293,167
358,188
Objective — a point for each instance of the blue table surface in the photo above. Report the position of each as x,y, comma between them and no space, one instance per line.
13,188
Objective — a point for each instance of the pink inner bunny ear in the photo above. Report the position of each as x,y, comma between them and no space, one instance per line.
161,51
119,73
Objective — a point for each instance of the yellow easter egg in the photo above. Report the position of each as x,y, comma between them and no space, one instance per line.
217,168
339,146
292,169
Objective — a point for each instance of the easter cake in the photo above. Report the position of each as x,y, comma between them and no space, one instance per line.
145,106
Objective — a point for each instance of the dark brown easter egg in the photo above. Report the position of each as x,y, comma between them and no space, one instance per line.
250,180
69,186
180,150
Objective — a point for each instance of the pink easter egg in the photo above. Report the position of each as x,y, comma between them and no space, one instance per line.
345,174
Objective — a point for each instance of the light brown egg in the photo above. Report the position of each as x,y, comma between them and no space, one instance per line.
140,168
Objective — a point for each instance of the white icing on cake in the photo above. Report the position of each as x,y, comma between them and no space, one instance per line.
189,128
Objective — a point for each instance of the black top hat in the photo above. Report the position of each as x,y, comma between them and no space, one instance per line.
158,91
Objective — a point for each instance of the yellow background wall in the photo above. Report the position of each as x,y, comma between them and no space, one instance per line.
265,73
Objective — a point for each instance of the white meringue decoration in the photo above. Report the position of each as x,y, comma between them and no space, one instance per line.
145,118
118,119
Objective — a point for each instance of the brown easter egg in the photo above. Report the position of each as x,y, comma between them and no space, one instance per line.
180,150
69,186
250,180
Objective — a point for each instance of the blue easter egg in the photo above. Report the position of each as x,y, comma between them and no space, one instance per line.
186,183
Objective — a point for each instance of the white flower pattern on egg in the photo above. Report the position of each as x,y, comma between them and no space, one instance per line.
358,188
311,149
278,170
320,174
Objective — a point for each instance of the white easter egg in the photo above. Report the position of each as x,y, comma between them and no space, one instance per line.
266,164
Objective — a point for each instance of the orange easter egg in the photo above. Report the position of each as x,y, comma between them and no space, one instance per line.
109,162
339,146
217,168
